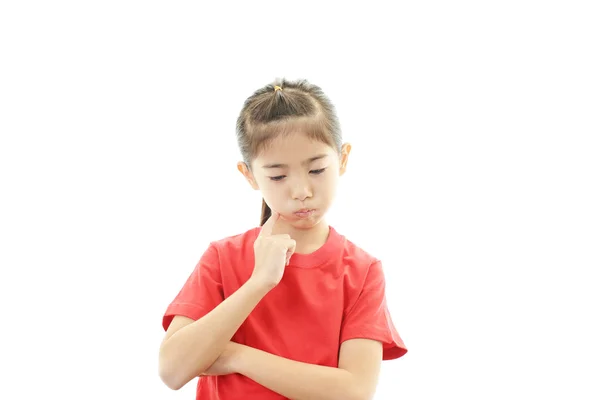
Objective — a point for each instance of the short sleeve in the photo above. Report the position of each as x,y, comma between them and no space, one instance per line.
369,317
202,291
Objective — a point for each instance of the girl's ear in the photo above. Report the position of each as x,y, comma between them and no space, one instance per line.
243,168
346,147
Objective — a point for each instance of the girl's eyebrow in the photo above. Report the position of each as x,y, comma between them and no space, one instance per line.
277,165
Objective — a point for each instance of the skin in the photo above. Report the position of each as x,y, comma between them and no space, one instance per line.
298,184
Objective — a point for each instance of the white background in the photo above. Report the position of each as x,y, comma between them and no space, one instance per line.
474,176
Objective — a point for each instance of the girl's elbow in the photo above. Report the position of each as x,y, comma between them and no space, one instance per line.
169,379
173,372
361,396
170,376
174,378
358,392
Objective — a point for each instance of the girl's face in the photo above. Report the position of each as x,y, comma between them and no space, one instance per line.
297,177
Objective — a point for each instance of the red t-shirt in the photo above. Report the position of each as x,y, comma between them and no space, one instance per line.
324,298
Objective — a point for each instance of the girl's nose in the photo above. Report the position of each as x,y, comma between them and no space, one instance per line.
301,190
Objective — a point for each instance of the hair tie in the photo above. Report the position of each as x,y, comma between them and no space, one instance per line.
277,88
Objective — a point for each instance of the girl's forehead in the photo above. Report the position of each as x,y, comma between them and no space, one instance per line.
295,144
289,134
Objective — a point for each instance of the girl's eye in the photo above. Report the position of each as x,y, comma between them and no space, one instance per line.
314,171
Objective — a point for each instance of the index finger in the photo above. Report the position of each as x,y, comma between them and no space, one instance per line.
267,228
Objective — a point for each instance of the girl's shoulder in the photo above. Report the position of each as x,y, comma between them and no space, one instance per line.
236,241
357,254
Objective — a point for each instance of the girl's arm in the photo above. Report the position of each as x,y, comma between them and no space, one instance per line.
190,347
355,379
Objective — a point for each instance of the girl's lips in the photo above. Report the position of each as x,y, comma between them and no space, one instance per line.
304,213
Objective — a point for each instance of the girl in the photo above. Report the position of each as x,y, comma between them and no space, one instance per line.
289,309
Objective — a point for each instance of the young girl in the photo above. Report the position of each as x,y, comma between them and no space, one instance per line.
289,309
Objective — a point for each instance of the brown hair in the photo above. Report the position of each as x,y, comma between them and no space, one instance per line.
281,108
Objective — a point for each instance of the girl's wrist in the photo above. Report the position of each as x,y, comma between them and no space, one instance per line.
259,286
235,353
238,361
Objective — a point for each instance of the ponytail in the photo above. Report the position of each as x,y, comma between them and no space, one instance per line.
265,214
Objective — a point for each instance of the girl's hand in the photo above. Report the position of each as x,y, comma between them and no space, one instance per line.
226,363
271,254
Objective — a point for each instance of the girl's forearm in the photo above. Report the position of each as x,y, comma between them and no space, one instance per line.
296,380
192,349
